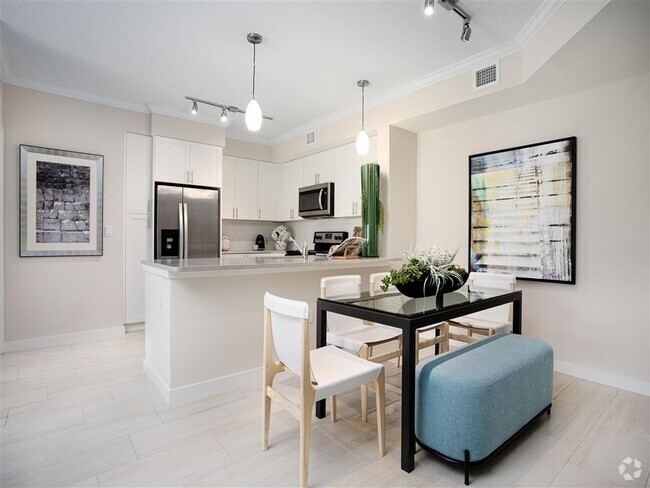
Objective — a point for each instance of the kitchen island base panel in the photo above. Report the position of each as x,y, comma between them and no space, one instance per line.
205,334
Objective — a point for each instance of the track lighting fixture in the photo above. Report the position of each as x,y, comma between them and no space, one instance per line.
452,5
428,6
363,143
224,108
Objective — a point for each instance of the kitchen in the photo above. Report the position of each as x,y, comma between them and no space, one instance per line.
154,155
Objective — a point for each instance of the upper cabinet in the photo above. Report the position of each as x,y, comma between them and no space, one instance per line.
290,180
347,177
137,174
177,161
318,168
267,190
246,189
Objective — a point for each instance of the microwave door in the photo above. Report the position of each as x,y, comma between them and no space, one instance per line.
202,232
168,228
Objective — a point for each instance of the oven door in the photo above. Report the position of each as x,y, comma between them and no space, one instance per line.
316,201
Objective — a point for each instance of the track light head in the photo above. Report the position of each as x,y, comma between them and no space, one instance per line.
467,32
428,6
224,115
195,107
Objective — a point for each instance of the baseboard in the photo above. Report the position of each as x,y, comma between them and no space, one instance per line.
64,339
133,327
598,376
203,388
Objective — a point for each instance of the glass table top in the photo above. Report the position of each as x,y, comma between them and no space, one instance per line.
398,304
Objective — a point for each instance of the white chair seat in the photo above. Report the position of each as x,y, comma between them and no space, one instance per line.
337,371
354,339
499,327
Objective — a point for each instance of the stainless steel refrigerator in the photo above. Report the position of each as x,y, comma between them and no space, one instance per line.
187,222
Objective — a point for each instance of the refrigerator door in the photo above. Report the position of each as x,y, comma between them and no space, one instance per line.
168,227
202,233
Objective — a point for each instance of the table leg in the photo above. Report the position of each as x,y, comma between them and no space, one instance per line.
516,317
408,400
321,341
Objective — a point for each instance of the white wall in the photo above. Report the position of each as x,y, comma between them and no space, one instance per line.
62,295
599,327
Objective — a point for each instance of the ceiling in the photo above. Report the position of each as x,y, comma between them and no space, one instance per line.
148,55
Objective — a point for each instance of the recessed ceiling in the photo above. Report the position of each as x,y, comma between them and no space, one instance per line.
149,55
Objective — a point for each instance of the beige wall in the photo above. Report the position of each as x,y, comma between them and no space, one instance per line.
59,295
248,150
601,324
187,130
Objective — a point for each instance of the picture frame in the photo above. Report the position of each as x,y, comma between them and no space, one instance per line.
61,202
522,211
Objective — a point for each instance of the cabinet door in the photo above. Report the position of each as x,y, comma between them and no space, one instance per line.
135,252
297,169
137,174
228,188
325,166
267,190
347,178
310,170
205,164
246,189
285,191
171,160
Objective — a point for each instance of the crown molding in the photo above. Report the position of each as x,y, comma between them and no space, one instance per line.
543,14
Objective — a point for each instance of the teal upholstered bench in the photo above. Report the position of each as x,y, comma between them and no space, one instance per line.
471,401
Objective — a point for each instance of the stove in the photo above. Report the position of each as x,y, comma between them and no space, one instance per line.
323,241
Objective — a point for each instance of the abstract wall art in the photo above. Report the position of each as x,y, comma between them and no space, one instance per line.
61,202
522,211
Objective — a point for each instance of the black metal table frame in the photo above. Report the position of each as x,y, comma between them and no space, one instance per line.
408,326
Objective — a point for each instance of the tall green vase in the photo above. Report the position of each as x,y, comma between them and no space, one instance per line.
371,209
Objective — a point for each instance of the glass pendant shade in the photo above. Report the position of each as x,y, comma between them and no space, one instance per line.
253,116
363,143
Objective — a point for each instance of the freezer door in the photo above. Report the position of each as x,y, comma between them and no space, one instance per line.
168,229
202,232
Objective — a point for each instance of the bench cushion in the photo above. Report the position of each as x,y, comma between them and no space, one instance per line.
476,397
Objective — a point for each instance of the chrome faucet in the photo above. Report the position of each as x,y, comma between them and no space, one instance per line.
305,248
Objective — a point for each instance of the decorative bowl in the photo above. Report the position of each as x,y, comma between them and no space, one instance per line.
418,289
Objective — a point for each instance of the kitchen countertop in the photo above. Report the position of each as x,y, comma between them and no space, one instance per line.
233,265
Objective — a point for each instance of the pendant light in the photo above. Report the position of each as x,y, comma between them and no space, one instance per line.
253,111
363,143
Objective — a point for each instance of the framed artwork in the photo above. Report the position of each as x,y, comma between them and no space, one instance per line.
522,211
61,202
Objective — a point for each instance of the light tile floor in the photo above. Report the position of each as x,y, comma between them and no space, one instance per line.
86,415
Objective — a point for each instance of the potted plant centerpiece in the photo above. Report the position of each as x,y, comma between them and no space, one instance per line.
280,236
426,273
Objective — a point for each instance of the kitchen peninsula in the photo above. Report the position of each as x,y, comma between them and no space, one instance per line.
204,316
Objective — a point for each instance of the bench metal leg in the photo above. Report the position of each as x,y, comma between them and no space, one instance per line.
466,467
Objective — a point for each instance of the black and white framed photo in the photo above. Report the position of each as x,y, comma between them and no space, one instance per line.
522,211
61,202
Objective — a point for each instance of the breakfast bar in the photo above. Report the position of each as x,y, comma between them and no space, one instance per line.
204,316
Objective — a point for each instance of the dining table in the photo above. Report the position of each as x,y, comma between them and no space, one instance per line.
410,314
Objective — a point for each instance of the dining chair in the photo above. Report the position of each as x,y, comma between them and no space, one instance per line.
374,288
426,336
354,335
486,322
322,372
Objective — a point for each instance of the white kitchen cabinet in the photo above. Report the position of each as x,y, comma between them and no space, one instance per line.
290,180
205,167
318,168
347,178
246,189
228,188
137,222
267,190
178,161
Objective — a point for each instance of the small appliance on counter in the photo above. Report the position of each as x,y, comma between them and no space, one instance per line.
260,242
225,243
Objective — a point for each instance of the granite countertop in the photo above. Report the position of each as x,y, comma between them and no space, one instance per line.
233,265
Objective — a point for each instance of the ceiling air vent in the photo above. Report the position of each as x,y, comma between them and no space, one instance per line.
310,138
486,76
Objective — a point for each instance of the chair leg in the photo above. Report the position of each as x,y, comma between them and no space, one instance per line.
306,409
445,333
466,465
266,419
380,396
333,408
364,353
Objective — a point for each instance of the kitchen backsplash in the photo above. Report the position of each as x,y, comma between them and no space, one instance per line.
242,233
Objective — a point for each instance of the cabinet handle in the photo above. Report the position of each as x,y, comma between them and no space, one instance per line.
259,214
192,175
237,212
233,212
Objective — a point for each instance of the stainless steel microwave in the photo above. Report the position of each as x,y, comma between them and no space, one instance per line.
316,201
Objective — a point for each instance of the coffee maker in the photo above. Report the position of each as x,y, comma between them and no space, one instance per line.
260,242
